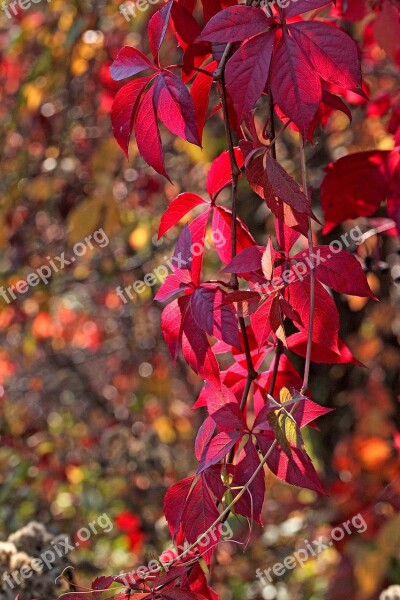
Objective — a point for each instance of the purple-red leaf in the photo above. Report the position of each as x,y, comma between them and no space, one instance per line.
341,271
148,135
204,435
247,72
174,503
214,317
333,53
157,28
296,87
130,61
285,187
246,261
199,514
124,108
302,6
223,408
218,448
235,24
175,107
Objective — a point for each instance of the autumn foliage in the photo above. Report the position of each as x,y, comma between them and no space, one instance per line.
269,134
238,329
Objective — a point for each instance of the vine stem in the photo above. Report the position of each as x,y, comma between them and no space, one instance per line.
312,271
273,136
219,76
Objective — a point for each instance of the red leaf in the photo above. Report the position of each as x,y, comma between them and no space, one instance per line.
302,6
342,272
246,261
130,61
186,27
307,411
326,316
218,448
174,503
285,187
197,229
285,236
220,174
261,320
198,583
203,437
124,108
257,178
387,31
223,407
199,514
175,283
195,346
295,86
175,593
319,353
235,24
354,186
175,107
214,317
171,320
221,222
247,72
157,28
148,135
332,52
182,257
200,92
297,470
178,208
354,11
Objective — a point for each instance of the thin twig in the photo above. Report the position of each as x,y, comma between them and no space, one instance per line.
278,354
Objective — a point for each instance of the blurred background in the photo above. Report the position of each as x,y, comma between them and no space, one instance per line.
94,418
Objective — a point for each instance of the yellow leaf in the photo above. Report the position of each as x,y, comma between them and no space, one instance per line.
285,396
